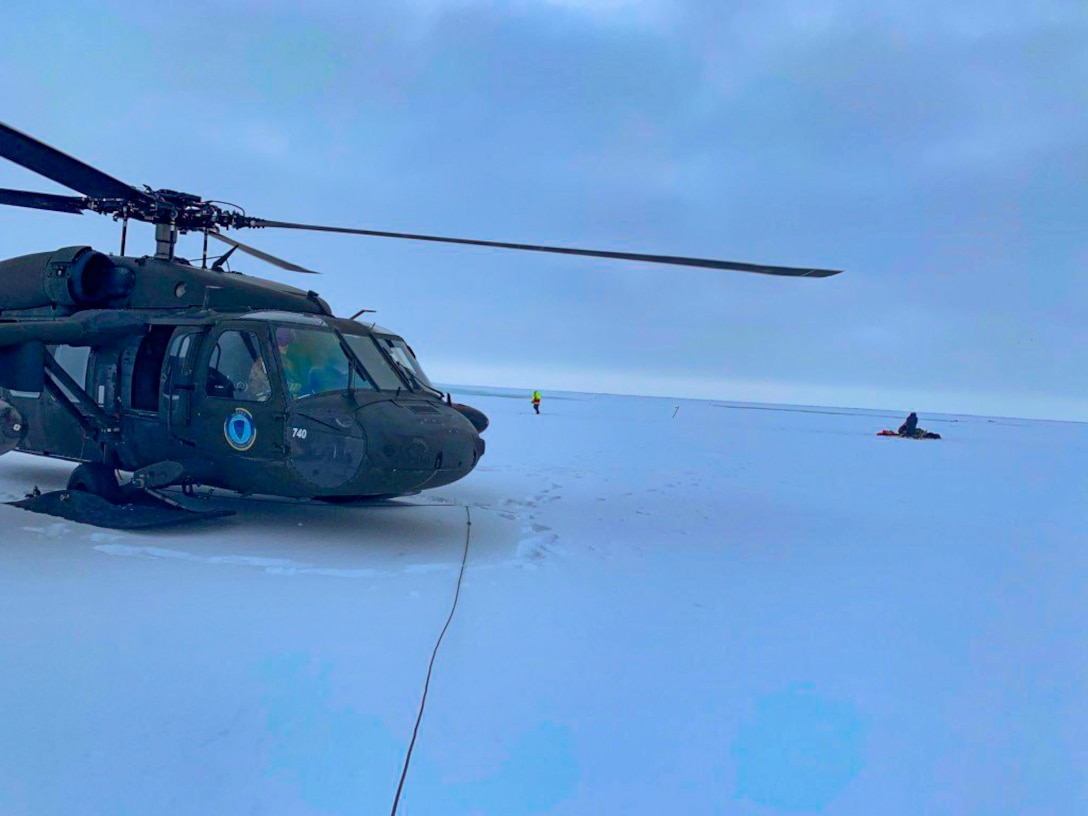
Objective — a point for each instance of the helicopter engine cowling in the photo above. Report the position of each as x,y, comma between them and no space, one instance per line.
12,427
76,277
95,280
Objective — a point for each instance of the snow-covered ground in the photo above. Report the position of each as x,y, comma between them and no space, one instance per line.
669,607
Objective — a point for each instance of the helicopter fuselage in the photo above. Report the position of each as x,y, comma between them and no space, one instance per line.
210,391
187,375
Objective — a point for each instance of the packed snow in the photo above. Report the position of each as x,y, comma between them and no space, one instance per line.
669,606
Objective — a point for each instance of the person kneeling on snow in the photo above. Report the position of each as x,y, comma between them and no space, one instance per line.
910,426
910,429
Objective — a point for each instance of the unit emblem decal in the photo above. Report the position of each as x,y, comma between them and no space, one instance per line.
239,430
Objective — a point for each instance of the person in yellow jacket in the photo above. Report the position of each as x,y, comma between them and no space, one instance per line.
536,401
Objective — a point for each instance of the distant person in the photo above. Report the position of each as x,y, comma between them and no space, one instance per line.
910,429
910,426
536,401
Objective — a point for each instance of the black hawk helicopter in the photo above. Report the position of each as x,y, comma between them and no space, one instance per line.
186,375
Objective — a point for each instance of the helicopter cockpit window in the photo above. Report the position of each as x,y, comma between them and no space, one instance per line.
236,369
374,362
314,362
401,354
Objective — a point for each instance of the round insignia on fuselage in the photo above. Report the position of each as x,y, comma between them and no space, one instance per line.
239,430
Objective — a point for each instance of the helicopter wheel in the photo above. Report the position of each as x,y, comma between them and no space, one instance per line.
96,478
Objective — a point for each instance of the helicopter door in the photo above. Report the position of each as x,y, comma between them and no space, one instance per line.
239,407
176,396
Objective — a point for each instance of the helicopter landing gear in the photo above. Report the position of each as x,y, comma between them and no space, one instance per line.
96,478
95,497
372,498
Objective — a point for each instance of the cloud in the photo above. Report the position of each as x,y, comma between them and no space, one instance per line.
937,153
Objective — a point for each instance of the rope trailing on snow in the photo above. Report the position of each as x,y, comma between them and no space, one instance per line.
430,667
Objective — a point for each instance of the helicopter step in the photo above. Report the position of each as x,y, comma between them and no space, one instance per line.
159,474
136,510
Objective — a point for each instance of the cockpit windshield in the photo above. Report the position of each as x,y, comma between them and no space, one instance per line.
314,362
375,363
404,358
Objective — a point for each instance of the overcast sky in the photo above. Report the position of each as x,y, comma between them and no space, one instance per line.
936,152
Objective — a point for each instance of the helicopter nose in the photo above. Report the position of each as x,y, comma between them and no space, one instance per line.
414,445
477,417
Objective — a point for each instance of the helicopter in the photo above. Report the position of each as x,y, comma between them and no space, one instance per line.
187,375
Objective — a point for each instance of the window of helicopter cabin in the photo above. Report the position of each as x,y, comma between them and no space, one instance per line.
147,368
237,370
73,359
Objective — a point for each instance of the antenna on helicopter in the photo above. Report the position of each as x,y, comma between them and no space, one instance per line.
218,265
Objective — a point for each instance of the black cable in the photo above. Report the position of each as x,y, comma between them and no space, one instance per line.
430,667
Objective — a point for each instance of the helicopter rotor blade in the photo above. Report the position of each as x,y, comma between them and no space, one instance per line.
708,263
47,161
264,256
42,201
